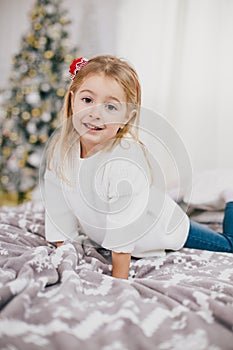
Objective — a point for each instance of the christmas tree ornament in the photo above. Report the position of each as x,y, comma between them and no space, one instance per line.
6,151
32,138
32,73
48,54
33,98
26,116
49,9
43,138
60,92
23,68
31,128
13,136
12,163
36,112
45,87
15,110
34,159
37,26
4,179
46,117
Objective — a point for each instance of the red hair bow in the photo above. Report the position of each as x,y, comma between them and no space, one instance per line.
76,65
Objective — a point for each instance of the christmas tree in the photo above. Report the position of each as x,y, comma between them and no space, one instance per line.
35,96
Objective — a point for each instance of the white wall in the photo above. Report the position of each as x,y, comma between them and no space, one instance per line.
14,21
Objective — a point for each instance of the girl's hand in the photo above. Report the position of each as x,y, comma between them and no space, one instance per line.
120,265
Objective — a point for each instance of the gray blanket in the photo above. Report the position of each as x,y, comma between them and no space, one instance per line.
65,298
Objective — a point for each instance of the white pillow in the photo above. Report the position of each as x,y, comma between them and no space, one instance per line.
207,187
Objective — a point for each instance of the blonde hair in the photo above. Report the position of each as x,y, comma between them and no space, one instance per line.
64,145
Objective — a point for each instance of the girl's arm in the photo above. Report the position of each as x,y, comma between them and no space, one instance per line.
60,222
120,265
128,188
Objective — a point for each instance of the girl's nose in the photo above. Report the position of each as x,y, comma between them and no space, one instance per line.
96,112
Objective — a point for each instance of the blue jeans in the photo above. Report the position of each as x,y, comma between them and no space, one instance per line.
202,237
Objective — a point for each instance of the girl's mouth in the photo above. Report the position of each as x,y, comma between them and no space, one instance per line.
92,127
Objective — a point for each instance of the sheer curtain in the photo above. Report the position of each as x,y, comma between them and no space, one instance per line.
183,52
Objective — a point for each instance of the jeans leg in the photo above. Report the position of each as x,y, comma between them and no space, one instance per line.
202,237
228,220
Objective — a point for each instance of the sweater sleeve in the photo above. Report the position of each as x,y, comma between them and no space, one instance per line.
127,203
60,222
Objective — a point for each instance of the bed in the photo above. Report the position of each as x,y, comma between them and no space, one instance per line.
65,298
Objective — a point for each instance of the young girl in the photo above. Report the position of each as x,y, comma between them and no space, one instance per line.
99,176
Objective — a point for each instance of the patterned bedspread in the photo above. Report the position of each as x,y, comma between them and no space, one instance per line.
65,298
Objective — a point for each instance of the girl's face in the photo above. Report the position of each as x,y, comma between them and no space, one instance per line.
99,110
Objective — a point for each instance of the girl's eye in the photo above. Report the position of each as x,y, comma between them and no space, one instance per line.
111,107
87,100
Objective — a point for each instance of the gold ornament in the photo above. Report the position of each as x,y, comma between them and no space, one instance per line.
19,96
26,90
32,73
43,138
4,179
36,112
6,151
21,163
53,78
25,54
23,79
33,17
63,20
4,114
25,154
60,92
30,39
26,116
42,41
68,58
15,110
9,198
13,136
41,11
36,44
37,26
33,139
18,99
48,54
44,68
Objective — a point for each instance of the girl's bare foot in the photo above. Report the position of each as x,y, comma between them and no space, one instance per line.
227,195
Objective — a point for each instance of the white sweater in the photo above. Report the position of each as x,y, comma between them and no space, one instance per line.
115,204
